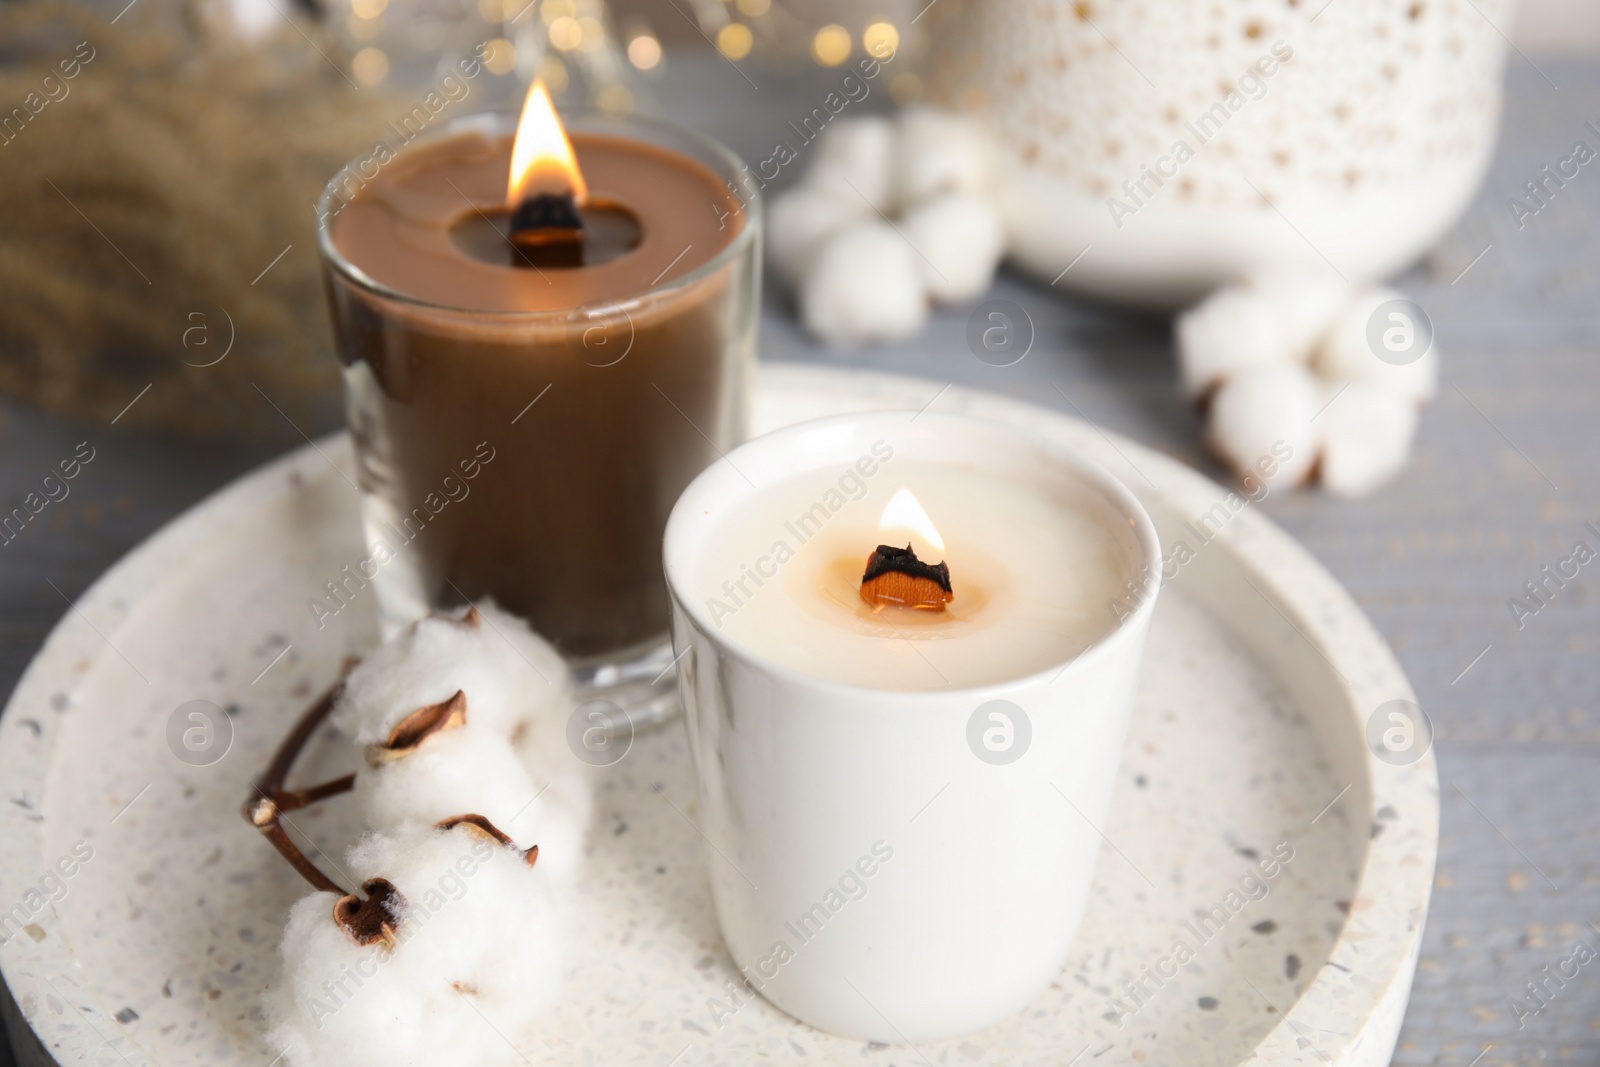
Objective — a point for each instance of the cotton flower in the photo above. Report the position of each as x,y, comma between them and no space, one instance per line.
1295,359
467,768
1233,330
959,239
864,286
940,152
1366,434
926,179
508,672
801,220
1303,304
1350,350
853,160
478,955
1267,412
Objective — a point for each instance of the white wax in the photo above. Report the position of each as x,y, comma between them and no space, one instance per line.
1039,570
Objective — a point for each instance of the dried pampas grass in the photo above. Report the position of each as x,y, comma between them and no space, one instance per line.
144,199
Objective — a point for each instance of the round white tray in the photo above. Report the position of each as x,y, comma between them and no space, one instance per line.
1250,731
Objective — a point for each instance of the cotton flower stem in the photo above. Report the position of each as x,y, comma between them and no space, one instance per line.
267,803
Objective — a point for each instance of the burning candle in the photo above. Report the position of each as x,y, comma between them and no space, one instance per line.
907,655
1007,582
545,333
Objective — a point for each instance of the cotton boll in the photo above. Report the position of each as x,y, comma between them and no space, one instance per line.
506,671
456,771
558,821
1261,422
477,911
864,286
1366,435
961,238
800,221
1233,330
1305,305
345,1005
940,152
478,957
853,161
537,673
1349,352
426,664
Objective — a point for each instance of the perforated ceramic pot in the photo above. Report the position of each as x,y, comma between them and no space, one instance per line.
1186,143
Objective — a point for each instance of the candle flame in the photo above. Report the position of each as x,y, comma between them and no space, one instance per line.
904,512
542,160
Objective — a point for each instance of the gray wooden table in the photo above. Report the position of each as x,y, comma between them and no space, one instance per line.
1507,472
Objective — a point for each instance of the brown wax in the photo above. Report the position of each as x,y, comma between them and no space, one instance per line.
564,524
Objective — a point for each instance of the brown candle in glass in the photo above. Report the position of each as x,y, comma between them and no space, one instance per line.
581,398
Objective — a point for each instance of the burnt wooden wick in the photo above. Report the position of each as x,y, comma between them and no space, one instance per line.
895,576
547,231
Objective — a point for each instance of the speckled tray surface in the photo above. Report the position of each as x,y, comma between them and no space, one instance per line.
1250,736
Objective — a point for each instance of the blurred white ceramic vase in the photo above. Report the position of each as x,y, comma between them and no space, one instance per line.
1181,145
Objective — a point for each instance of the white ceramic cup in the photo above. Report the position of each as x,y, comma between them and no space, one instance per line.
874,876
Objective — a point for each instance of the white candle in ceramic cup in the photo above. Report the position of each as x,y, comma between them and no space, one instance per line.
902,802
1035,575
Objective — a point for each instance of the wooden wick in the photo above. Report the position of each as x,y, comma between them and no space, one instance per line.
265,808
547,231
895,576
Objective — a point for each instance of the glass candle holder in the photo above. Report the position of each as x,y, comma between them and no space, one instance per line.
533,456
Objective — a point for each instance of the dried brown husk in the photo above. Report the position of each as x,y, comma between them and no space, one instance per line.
482,827
410,732
375,919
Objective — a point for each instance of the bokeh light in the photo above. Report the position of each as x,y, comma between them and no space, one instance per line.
881,39
831,46
565,33
370,66
593,34
553,73
644,52
499,56
735,40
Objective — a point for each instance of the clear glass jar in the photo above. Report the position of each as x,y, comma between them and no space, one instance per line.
476,483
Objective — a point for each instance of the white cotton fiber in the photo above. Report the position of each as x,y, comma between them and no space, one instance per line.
864,286
1349,351
1366,435
465,770
479,911
853,159
1261,422
508,673
800,220
1305,305
1232,330
960,238
479,960
940,152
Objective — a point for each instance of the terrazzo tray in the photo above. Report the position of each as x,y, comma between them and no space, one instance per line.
1250,741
